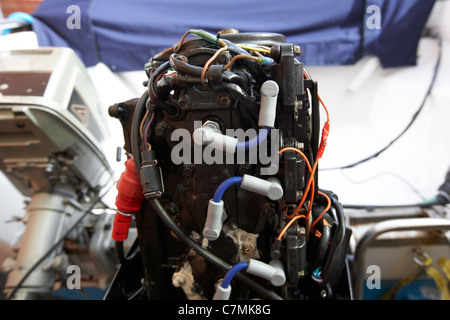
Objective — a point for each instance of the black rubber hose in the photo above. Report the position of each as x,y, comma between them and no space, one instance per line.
371,207
255,69
249,104
155,75
232,77
139,112
184,67
119,251
323,244
164,216
195,71
237,92
336,255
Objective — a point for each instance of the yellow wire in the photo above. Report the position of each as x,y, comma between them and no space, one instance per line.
142,123
255,49
239,56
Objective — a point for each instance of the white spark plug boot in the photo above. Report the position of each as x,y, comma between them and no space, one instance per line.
279,277
273,273
211,135
268,107
271,188
222,293
214,220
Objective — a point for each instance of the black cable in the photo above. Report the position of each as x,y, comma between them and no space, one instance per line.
413,119
441,199
137,116
57,243
249,105
423,205
124,257
137,293
212,258
336,254
120,252
184,67
444,190
154,76
231,77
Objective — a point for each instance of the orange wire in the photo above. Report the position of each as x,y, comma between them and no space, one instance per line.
324,107
296,216
323,212
299,152
289,224
311,176
310,182
326,126
239,56
320,99
308,186
181,41
214,57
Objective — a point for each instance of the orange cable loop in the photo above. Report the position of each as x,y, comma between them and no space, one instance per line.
324,210
289,224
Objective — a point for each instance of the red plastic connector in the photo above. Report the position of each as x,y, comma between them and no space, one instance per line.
323,142
128,200
121,227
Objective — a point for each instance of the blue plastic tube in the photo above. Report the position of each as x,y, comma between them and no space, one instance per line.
230,274
224,186
249,144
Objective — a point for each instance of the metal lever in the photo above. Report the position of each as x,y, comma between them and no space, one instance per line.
422,224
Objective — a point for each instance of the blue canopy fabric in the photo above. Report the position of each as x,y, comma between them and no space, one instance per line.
125,34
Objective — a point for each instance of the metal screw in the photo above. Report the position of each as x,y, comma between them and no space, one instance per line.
297,50
269,209
224,101
248,248
162,129
185,102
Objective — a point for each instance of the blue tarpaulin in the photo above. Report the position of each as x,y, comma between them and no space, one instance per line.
125,34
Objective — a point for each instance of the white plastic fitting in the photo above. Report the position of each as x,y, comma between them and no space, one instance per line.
266,271
214,220
271,188
279,277
222,293
213,137
267,111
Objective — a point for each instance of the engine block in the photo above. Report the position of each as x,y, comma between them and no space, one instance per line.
226,141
